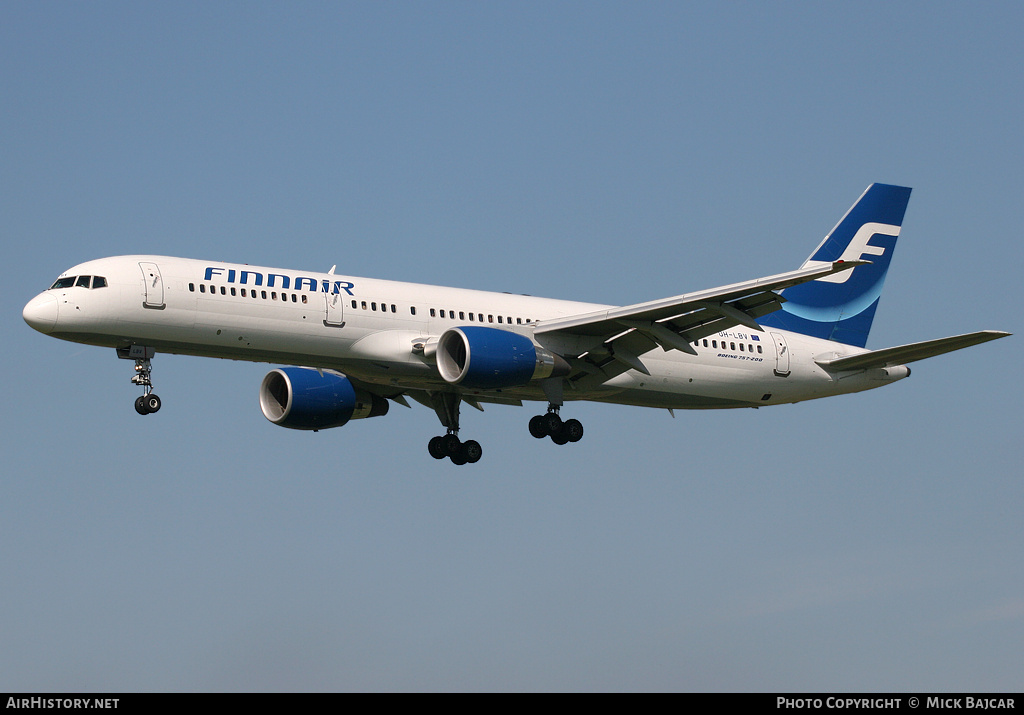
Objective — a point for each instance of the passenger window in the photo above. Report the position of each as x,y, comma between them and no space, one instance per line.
433,313
202,287
223,290
364,305
741,347
705,342
264,294
412,310
442,312
373,307
192,287
471,317
304,299
244,294
759,351
462,315
732,346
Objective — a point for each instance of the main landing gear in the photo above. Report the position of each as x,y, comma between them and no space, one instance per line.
149,402
551,425
446,405
451,446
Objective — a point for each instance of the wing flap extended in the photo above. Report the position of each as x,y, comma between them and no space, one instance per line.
903,354
473,400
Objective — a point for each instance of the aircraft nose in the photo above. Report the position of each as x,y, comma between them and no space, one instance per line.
41,312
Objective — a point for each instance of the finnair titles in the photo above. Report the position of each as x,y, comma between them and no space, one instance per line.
255,278
349,347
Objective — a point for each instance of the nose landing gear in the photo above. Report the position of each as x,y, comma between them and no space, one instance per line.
149,402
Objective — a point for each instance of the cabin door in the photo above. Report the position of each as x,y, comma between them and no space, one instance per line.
154,285
781,355
335,317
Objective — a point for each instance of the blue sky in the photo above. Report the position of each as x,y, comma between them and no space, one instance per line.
610,152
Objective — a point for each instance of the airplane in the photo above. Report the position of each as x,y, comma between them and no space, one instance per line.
350,346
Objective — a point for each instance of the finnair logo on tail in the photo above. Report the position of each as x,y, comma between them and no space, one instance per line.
858,248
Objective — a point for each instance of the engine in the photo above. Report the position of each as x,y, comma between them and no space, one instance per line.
488,358
303,398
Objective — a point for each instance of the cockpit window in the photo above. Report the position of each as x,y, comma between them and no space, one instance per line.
81,282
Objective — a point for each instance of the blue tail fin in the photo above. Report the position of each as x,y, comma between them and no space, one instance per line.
841,307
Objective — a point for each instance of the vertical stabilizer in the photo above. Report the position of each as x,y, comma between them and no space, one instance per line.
841,307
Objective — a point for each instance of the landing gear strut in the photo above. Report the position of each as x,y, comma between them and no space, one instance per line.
446,405
551,425
149,402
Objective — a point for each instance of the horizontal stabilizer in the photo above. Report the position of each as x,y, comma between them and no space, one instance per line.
903,354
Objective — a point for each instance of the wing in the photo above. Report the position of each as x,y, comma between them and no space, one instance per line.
903,354
609,342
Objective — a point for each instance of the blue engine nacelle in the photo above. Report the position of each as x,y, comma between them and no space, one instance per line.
303,398
489,358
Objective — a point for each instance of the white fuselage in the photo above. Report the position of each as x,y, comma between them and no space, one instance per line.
375,330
